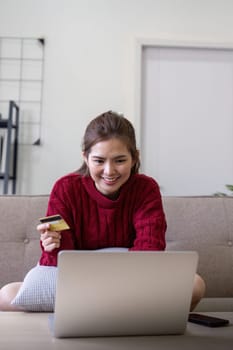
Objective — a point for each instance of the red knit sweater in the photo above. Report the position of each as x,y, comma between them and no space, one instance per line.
134,220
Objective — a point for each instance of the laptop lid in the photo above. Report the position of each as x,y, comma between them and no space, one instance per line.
123,293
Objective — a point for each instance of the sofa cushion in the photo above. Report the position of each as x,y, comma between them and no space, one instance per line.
37,292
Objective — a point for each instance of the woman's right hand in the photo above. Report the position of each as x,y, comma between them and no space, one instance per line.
50,240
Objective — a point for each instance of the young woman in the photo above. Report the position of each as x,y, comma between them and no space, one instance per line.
106,203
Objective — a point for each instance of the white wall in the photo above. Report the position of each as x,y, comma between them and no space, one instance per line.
90,64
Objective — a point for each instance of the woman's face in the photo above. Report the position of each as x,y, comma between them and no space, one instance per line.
109,164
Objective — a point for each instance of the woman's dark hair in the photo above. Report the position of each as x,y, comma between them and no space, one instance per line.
104,127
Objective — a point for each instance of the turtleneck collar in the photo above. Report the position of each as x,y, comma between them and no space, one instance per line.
102,200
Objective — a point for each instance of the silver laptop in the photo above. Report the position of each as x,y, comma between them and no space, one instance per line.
123,293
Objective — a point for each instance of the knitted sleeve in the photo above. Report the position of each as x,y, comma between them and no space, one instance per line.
60,203
149,219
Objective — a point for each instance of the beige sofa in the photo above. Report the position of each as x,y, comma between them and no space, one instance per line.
204,224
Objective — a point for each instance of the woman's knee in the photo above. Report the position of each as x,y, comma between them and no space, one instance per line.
198,291
7,294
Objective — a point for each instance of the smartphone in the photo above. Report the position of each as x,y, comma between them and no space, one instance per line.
208,321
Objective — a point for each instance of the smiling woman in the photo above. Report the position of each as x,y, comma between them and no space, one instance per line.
107,203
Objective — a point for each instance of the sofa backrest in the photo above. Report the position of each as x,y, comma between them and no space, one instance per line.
19,239
204,224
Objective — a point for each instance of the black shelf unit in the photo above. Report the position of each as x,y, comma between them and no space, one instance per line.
11,125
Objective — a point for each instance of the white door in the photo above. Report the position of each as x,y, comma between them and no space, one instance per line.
187,119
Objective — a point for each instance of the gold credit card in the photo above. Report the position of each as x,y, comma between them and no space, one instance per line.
56,222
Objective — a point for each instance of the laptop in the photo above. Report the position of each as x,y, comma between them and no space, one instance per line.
123,293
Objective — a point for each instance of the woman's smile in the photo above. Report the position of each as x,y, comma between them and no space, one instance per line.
110,180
